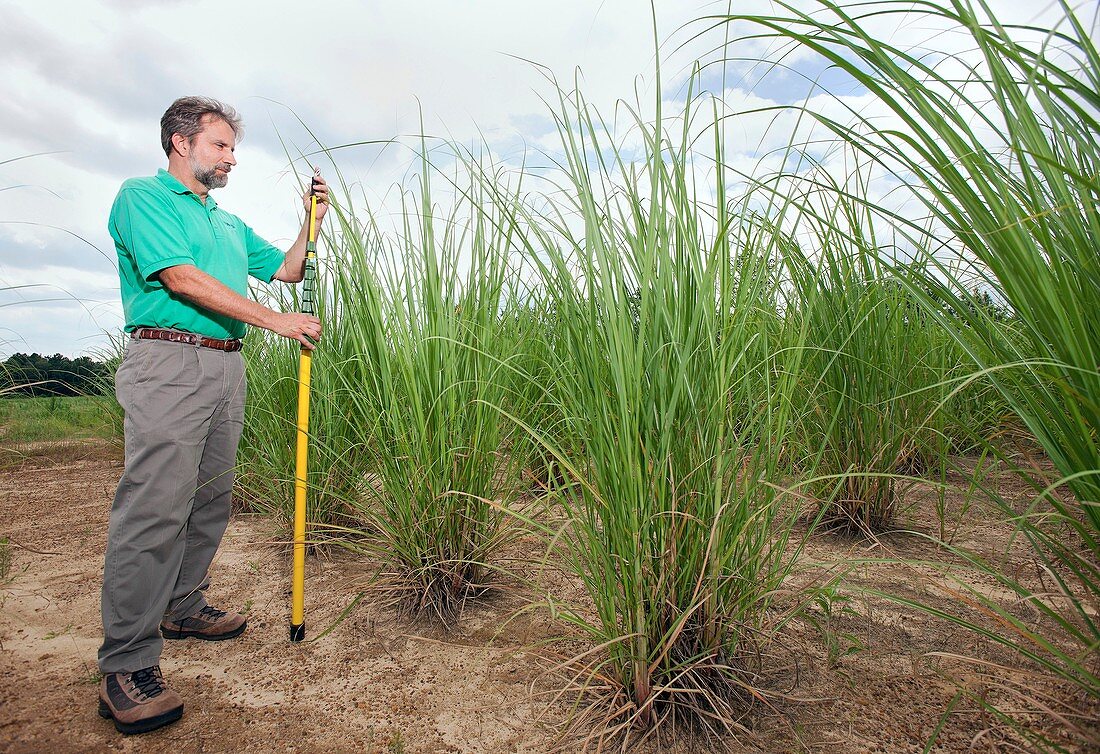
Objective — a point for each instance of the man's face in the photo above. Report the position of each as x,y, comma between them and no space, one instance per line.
211,153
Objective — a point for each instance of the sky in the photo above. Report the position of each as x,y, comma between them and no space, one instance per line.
86,81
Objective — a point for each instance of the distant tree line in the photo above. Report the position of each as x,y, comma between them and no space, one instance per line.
23,375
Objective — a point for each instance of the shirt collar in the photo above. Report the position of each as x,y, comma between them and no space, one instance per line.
175,186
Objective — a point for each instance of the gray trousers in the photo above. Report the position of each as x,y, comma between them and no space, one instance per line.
184,409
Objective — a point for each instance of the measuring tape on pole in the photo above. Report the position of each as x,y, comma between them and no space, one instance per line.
301,467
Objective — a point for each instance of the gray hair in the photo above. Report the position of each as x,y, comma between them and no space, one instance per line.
185,116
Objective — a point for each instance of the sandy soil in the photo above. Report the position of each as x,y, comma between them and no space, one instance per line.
375,683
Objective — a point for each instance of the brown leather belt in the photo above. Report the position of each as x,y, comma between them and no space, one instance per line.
175,336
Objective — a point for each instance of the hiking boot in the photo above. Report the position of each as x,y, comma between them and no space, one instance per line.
208,624
138,702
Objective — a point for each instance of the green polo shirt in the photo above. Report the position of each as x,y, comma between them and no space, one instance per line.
157,222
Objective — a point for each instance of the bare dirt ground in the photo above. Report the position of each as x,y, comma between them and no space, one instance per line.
876,677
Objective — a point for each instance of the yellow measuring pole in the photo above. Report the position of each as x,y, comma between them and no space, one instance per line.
305,360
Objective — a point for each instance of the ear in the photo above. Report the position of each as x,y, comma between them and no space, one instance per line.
181,144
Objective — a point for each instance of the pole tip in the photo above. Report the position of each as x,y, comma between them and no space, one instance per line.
297,632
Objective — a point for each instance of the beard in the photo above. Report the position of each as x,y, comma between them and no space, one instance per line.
210,177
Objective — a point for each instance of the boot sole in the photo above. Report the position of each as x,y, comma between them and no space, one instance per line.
171,633
141,726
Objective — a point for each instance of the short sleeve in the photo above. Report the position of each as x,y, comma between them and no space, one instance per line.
264,259
151,231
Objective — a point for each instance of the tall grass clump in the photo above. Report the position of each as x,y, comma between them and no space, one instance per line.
535,326
337,437
873,374
999,145
427,377
670,522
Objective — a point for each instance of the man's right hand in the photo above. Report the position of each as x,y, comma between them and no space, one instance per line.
296,326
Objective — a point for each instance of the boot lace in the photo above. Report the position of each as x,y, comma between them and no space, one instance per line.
148,681
213,614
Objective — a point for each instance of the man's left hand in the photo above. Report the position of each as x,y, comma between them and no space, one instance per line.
320,189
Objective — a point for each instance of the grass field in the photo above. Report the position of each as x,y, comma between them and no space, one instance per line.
24,420
640,385
703,370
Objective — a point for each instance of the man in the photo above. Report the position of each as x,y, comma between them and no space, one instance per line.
183,267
